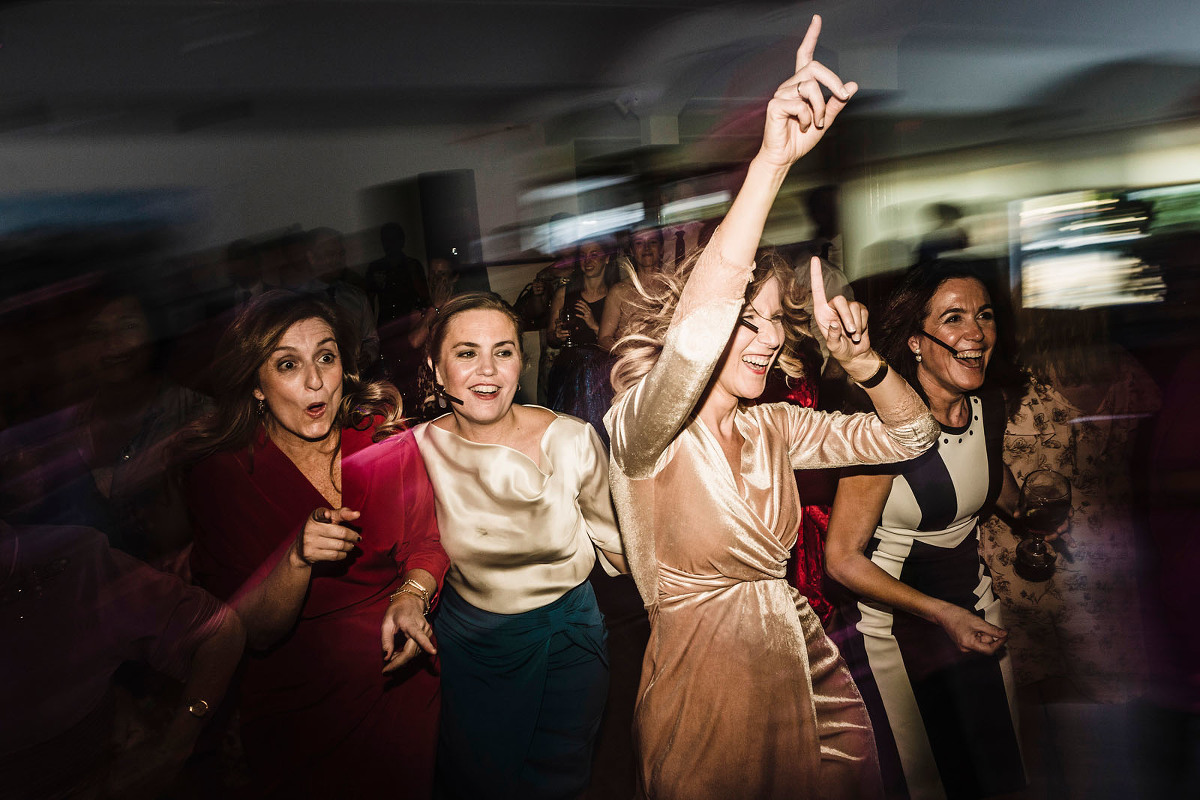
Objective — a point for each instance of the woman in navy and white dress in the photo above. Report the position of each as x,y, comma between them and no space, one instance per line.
924,641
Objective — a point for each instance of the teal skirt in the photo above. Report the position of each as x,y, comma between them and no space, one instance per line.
522,697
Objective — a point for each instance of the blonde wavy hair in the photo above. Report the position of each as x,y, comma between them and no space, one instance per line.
653,307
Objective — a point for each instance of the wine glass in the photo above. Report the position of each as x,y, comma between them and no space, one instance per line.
1044,506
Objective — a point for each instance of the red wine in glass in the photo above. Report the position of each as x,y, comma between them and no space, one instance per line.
1045,505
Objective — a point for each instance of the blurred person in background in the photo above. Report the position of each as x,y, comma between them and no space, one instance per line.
524,511
925,641
1075,639
645,261
947,235
403,339
578,380
103,462
396,282
332,701
324,251
72,611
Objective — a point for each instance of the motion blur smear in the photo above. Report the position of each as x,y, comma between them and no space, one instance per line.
187,154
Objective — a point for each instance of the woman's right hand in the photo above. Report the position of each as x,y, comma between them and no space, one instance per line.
324,537
798,115
969,631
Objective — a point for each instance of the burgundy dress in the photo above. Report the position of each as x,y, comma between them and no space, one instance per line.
318,717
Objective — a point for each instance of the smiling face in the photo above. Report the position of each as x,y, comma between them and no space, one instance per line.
301,382
742,372
647,249
119,340
592,259
961,315
479,362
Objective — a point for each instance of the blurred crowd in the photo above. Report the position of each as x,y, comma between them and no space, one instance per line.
121,632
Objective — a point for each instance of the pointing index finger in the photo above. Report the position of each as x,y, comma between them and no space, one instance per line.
804,53
816,281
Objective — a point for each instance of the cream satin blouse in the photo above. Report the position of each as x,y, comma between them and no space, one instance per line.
519,536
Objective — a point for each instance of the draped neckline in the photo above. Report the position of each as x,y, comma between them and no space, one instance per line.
746,459
457,440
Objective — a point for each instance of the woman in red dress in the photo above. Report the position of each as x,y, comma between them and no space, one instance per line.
332,701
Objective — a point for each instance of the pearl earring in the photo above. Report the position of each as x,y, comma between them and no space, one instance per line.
917,355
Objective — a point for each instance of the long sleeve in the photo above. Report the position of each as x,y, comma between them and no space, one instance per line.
644,420
388,483
817,439
595,499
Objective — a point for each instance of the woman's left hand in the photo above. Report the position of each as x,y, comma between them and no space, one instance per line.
405,615
843,323
585,313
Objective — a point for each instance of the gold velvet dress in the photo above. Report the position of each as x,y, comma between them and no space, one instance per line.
742,694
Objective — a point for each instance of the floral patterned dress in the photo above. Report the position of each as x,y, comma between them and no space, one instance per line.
1082,624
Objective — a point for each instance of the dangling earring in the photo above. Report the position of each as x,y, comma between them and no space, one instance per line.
917,355
262,407
439,392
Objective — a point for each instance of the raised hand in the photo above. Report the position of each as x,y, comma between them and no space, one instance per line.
798,115
324,538
842,322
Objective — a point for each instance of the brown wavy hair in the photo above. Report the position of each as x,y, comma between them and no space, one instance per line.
429,388
245,347
654,303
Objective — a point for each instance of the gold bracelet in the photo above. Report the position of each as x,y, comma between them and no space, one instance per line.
405,590
416,585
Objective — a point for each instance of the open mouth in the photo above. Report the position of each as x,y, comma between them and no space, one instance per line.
315,410
757,364
484,391
970,358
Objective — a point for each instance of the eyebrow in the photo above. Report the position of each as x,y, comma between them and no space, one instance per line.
508,342
287,347
957,310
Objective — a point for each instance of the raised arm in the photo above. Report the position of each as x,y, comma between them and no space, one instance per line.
857,508
647,418
843,323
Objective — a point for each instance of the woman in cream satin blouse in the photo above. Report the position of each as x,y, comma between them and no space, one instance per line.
742,693
523,505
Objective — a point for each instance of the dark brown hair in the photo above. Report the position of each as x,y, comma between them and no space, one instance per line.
247,344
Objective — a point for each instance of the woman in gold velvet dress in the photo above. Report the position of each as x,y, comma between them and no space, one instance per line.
742,694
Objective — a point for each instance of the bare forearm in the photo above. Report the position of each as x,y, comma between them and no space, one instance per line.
863,577
742,227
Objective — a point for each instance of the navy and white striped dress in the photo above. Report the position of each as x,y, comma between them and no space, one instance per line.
945,721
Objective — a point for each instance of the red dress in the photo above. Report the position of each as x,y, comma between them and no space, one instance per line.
806,567
318,717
